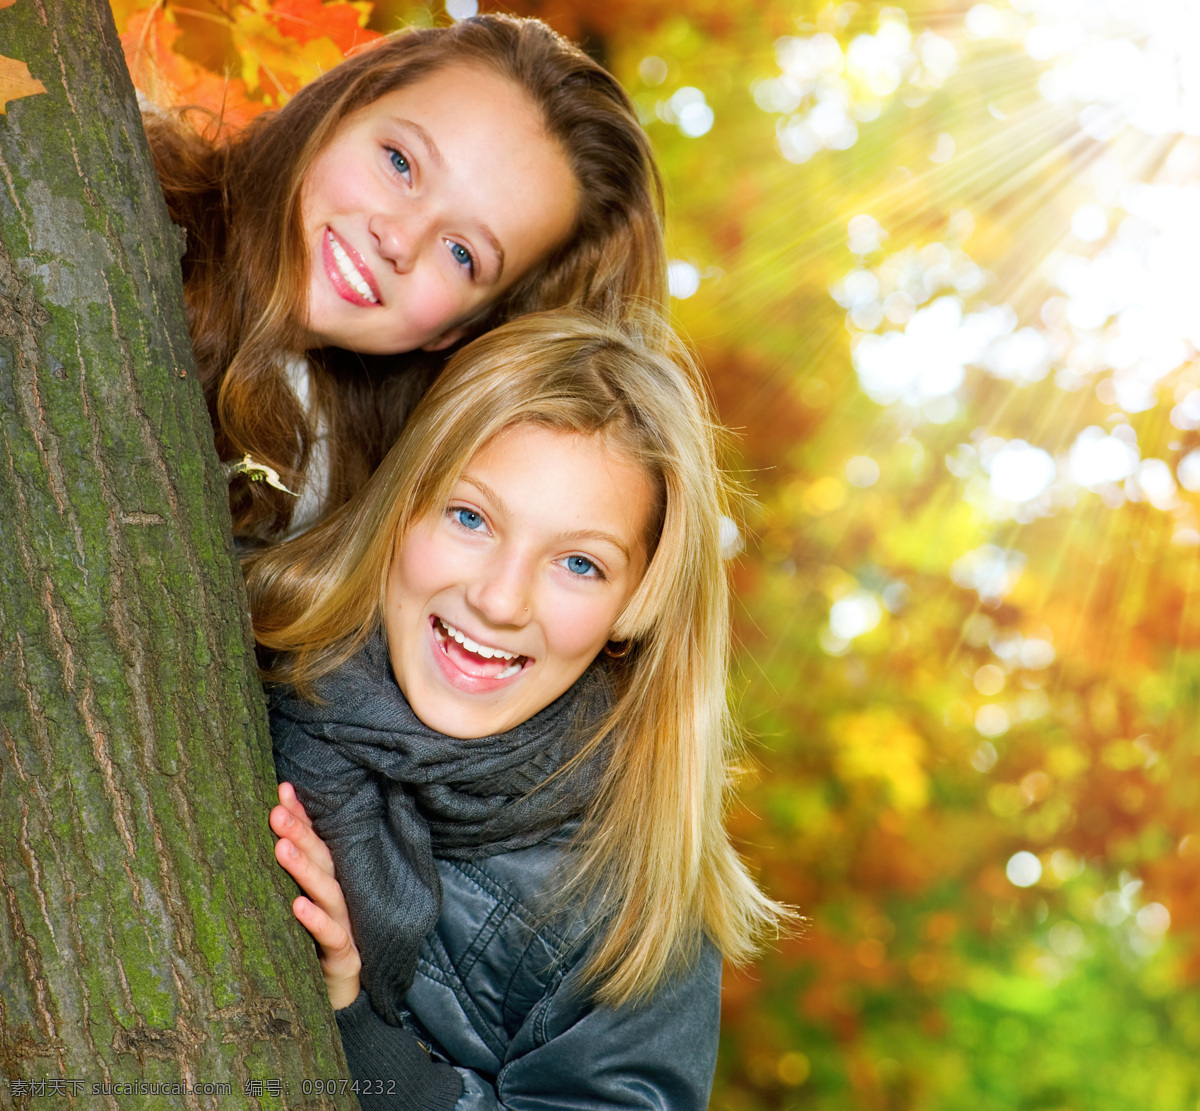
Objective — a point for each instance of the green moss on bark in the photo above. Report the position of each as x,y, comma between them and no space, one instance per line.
145,931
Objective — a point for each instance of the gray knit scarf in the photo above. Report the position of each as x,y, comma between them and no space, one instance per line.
387,795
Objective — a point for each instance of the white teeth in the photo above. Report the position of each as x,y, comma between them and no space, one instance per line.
349,271
481,650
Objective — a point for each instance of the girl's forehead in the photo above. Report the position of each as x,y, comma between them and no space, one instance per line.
451,72
546,442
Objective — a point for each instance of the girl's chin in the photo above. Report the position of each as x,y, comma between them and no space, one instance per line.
463,721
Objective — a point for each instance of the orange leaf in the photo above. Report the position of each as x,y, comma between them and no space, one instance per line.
168,78
7,3
16,80
305,20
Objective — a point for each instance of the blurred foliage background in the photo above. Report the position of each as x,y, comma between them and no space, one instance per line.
941,261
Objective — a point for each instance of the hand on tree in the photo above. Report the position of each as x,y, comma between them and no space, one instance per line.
321,910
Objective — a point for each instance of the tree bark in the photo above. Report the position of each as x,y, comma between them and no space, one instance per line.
145,930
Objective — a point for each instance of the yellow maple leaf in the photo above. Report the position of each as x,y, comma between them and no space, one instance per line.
124,10
274,59
16,81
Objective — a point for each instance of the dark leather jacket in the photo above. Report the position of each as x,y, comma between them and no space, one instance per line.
498,995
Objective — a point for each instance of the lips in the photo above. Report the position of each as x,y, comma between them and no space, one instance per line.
347,271
472,661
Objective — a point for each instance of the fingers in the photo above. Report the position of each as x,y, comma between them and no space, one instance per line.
289,800
340,962
338,950
315,881
322,908
289,821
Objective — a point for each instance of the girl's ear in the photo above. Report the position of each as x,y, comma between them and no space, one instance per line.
450,336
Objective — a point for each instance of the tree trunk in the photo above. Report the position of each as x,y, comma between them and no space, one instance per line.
145,930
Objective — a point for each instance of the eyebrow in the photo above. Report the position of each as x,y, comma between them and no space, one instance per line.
439,160
582,534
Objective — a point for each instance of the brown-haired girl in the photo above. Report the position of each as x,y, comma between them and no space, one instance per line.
423,191
504,710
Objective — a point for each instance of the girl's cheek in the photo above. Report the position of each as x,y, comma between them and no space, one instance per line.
424,565
433,306
581,627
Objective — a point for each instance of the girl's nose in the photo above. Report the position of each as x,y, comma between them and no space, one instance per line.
400,236
502,591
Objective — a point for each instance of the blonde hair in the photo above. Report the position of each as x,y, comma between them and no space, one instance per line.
652,859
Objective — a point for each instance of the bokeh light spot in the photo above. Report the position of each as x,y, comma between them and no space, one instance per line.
730,537
857,613
989,679
865,235
652,70
1019,473
1188,471
862,471
988,570
793,1069
943,149
983,22
696,120
983,759
1154,919
1089,223
683,279
1155,481
824,496
991,720
1036,653
1023,869
1097,458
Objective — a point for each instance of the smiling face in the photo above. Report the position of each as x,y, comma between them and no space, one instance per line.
425,206
498,604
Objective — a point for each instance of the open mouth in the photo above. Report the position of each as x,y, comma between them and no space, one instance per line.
478,660
348,269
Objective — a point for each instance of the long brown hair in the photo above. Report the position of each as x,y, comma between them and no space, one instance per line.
237,196
653,858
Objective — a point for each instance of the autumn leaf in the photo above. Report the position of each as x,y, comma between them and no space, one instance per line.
343,23
124,10
168,78
16,81
281,46
286,45
273,62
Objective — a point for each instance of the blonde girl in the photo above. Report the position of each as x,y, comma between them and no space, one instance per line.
502,704
419,193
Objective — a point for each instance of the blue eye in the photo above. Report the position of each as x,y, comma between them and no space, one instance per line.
400,164
469,519
580,565
461,255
